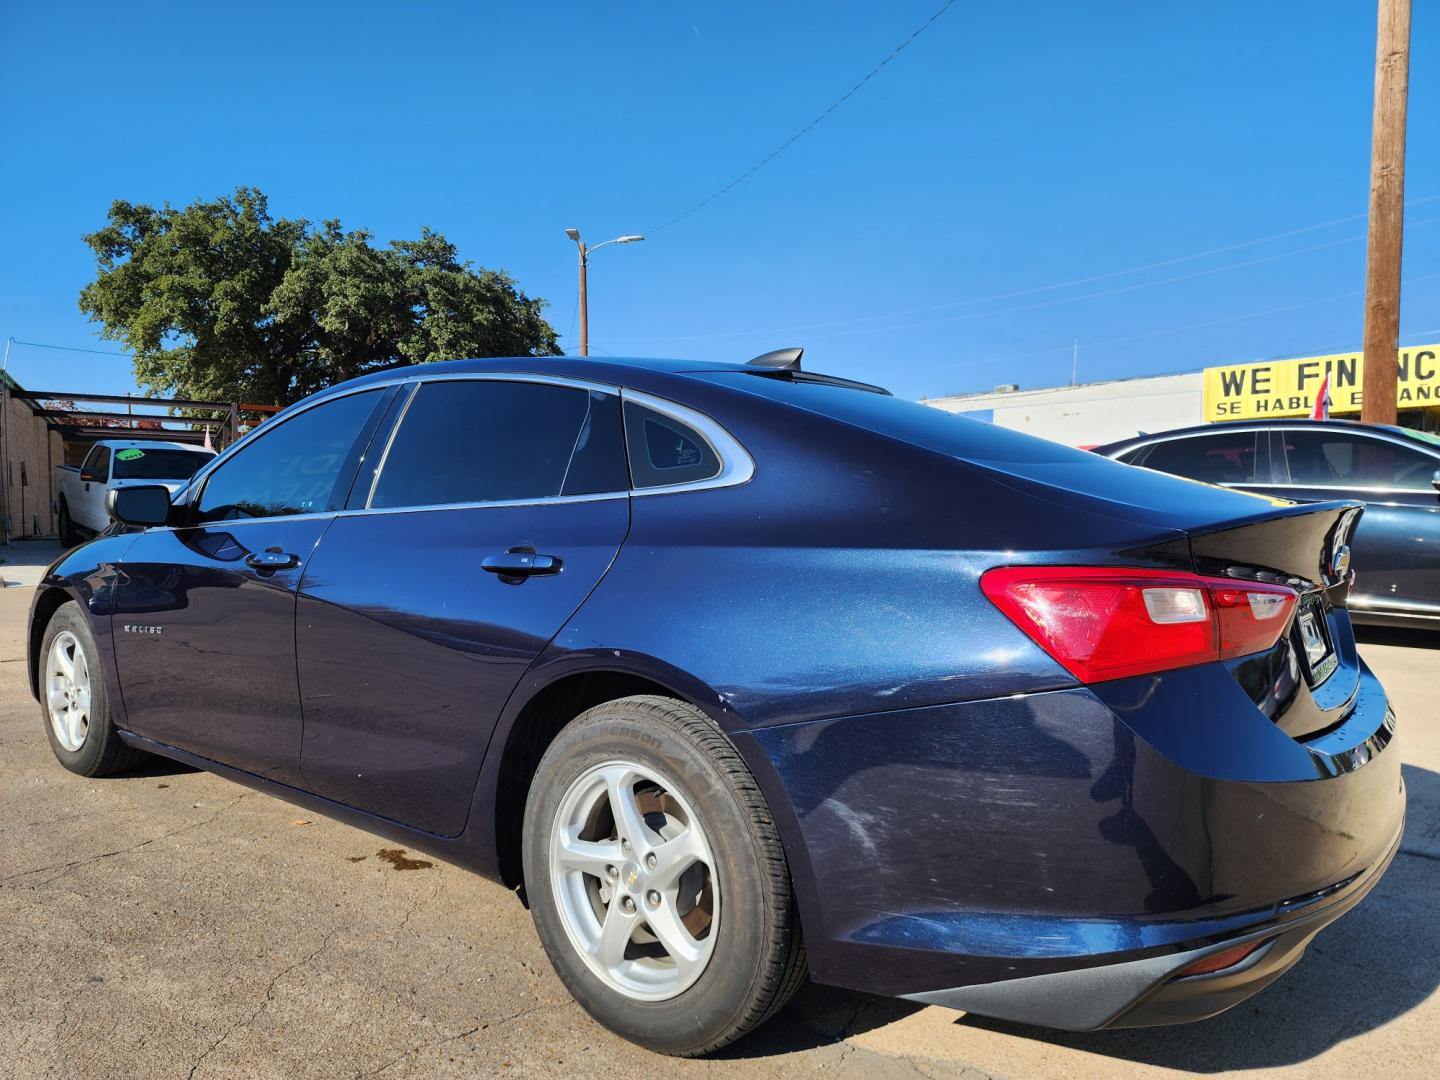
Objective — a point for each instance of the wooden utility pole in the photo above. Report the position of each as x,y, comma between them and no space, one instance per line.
1387,212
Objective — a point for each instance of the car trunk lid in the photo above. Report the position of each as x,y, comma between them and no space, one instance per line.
1308,682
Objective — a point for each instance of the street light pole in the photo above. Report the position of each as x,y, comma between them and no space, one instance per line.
574,234
584,301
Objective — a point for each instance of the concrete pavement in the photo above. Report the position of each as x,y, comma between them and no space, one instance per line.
171,924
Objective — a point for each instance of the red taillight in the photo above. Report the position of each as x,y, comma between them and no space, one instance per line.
1104,623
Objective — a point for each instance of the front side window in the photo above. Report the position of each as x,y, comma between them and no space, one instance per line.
480,440
665,451
295,467
1219,458
1340,459
98,464
137,463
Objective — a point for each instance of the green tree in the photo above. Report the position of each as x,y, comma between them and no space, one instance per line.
219,300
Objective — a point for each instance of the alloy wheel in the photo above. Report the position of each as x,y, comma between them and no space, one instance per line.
634,880
67,690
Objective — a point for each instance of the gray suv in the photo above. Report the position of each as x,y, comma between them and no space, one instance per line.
1394,471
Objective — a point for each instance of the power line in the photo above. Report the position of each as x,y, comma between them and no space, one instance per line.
850,327
808,127
1057,350
69,348
830,325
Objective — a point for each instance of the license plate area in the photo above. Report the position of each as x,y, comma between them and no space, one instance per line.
1317,652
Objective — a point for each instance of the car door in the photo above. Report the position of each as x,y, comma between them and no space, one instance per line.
204,615
1396,547
94,476
499,505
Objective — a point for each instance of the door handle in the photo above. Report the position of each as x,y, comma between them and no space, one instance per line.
271,560
521,562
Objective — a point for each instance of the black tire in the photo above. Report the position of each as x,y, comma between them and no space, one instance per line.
758,960
69,536
101,753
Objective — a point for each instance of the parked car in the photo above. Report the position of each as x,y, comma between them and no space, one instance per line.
81,490
741,672
1395,471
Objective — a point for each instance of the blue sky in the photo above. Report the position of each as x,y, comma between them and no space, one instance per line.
912,238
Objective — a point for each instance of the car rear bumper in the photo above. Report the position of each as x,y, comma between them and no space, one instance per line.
1156,990
1059,858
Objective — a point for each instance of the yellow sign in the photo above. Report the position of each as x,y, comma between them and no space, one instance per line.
1288,387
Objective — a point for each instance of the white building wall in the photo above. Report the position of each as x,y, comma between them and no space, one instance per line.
1091,413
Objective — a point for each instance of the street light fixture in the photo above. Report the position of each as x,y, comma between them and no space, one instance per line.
574,234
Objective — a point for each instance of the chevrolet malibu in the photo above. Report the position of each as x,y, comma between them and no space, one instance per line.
739,674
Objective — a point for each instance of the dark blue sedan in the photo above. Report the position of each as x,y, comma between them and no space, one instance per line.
739,673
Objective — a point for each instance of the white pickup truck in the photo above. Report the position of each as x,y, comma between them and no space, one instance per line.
117,463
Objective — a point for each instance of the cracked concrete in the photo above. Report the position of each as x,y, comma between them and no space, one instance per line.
247,944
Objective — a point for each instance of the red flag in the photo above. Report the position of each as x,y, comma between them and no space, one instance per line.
1322,401
207,439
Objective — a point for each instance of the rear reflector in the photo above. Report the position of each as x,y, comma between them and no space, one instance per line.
1221,960
1105,623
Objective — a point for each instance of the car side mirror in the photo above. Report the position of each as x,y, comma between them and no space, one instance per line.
91,476
144,504
1435,480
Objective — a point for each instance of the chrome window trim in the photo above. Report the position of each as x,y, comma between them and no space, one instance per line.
736,464
1340,487
1382,436
549,500
389,442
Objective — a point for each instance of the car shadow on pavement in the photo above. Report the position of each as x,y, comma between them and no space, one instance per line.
819,1016
154,765
1403,637
1376,963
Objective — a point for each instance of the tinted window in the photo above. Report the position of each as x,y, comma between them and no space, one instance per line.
599,461
494,441
1226,457
1339,459
665,451
294,467
137,463
99,462
1133,457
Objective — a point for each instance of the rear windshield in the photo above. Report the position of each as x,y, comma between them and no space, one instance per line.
138,463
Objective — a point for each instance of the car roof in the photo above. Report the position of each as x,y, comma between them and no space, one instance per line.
640,373
1255,425
152,444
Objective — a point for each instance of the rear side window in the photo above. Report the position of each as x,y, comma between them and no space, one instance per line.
665,451
1225,457
297,466
475,440
1339,459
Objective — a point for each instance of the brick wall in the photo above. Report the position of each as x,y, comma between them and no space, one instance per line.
32,449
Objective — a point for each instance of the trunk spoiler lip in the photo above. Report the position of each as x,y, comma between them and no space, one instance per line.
1326,576
1275,513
